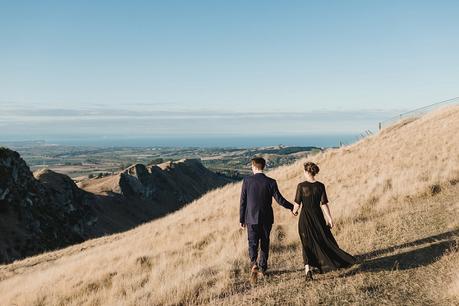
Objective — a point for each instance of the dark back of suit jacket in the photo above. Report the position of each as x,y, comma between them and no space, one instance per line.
256,199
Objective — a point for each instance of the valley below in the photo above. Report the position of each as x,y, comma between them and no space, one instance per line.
81,162
394,197
79,193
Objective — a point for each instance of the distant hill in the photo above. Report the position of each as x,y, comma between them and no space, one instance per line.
47,210
395,198
170,183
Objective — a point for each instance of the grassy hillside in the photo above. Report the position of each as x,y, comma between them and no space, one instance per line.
395,198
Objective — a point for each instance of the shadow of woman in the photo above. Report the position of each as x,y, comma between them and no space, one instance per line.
409,260
435,247
431,239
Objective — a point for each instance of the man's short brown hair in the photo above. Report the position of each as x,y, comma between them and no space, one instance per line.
259,162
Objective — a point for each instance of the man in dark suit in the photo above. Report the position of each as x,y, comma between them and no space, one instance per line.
256,213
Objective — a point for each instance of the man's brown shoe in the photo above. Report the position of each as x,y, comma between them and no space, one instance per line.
254,274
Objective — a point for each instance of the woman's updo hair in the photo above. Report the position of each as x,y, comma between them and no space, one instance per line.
311,168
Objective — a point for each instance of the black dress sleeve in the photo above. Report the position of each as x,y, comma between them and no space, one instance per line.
323,198
298,194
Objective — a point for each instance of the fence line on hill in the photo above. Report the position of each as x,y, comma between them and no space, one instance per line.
417,112
410,114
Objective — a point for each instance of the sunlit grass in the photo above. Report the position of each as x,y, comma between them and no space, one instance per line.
389,193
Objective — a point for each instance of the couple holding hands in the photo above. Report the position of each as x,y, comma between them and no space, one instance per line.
319,247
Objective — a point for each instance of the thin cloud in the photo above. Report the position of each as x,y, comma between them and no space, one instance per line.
104,113
40,123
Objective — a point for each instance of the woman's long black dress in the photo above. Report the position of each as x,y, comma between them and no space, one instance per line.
319,246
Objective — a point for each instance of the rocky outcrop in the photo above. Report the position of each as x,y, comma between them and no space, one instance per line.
170,183
74,202
33,218
47,210
63,189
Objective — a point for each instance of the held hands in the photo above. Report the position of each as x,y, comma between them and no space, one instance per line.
295,209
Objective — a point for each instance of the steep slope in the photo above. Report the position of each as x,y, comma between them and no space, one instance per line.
47,210
34,218
394,196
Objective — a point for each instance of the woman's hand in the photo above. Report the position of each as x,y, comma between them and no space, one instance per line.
330,223
327,215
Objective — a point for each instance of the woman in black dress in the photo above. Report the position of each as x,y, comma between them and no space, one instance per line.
320,249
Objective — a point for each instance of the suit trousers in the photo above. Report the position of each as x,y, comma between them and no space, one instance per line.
258,234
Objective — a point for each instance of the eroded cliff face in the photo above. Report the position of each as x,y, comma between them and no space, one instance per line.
34,217
171,183
46,210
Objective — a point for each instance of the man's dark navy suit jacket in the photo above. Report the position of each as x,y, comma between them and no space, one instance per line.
256,199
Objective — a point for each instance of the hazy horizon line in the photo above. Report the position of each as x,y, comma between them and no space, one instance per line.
97,123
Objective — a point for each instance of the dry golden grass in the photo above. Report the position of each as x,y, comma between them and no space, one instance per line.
395,200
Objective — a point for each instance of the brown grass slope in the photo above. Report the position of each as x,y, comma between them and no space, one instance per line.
395,200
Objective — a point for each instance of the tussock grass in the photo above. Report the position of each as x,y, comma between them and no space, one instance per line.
395,200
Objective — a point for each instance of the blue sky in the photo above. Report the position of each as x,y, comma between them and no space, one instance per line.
332,61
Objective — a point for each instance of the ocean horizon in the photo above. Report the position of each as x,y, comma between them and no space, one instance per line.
198,141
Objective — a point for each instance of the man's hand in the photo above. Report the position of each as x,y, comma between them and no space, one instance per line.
330,223
242,225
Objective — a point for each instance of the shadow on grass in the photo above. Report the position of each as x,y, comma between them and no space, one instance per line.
409,260
436,246
428,251
431,239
